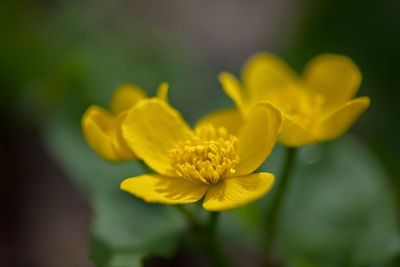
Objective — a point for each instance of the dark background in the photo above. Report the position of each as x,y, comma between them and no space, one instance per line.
58,57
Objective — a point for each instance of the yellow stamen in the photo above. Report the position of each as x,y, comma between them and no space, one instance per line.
208,155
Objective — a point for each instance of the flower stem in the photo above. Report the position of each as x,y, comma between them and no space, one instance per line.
274,213
214,249
210,238
189,216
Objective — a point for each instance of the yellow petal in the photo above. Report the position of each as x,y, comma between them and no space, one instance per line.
162,91
257,137
161,189
265,71
295,135
229,118
336,77
151,129
234,90
237,191
341,120
122,148
125,97
98,127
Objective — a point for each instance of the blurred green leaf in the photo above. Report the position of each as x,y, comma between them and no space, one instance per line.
84,71
103,256
123,226
340,211
100,252
126,260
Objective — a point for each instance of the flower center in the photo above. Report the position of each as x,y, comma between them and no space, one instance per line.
208,155
298,104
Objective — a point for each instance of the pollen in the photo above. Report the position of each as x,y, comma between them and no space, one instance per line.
207,155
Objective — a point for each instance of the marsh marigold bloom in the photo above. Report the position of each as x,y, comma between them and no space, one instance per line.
102,128
207,161
317,106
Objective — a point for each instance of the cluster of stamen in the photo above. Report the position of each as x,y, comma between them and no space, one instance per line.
208,155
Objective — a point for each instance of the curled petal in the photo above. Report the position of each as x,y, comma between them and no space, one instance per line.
295,135
121,146
341,120
258,137
100,129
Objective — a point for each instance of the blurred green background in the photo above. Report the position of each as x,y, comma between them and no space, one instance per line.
59,57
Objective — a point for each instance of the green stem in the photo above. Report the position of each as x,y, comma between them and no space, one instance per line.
211,242
212,225
189,216
274,213
214,249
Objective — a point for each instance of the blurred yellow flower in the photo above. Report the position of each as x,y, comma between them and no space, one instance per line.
207,161
316,107
102,128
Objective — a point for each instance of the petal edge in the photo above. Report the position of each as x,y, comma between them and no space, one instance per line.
341,120
125,97
151,129
234,90
294,135
238,191
155,188
264,71
98,127
257,137
336,77
230,118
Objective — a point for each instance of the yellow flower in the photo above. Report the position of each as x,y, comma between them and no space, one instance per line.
316,107
102,128
207,161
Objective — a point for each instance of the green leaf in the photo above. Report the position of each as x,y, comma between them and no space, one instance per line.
126,260
123,226
100,252
129,223
340,210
